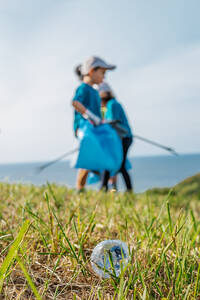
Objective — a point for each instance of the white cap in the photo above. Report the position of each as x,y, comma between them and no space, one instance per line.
104,87
94,62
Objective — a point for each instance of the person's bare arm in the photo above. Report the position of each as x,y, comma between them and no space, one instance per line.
87,114
79,107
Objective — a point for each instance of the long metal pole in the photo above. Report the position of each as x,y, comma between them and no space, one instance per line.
46,165
156,144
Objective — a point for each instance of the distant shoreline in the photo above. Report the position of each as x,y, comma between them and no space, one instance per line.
148,172
130,157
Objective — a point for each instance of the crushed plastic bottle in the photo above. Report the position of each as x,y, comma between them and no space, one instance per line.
108,253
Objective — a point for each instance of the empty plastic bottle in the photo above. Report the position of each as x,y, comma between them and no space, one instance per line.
109,258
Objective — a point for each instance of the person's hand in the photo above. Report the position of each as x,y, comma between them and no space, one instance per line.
86,113
95,119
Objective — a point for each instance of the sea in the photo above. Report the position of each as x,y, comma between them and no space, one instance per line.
147,172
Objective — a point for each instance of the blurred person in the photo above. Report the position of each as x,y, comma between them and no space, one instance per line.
91,72
113,111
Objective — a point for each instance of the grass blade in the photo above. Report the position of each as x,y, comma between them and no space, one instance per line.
28,278
13,252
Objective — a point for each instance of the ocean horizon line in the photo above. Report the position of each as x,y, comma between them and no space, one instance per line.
130,157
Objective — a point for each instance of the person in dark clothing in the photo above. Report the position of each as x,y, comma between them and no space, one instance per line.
115,111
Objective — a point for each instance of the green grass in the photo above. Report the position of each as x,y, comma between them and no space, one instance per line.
53,256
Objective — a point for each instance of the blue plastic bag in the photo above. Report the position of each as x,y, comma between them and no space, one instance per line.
93,178
100,148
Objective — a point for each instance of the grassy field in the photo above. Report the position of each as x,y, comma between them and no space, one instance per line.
47,235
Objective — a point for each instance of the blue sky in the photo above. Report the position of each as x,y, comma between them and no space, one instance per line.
155,44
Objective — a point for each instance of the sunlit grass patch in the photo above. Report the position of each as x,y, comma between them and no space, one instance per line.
161,231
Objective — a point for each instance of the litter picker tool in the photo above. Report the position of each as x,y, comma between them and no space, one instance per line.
116,124
173,152
42,167
95,120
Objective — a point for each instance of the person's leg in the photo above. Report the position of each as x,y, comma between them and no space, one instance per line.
113,182
105,179
126,142
127,179
81,178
